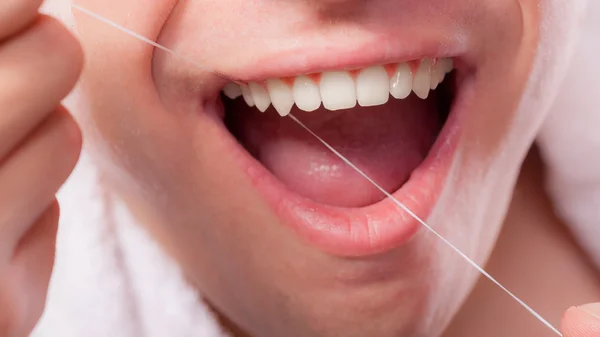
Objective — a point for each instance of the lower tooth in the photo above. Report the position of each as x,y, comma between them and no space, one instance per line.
260,96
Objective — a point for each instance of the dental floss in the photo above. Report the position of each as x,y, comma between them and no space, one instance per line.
347,161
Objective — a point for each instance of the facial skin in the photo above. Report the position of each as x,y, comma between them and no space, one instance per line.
146,122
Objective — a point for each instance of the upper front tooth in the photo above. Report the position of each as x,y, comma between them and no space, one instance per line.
247,95
422,80
401,82
337,90
281,96
232,90
306,94
260,96
372,86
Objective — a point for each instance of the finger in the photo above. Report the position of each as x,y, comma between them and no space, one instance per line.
582,321
30,271
31,176
37,70
16,15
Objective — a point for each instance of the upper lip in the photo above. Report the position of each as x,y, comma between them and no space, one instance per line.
378,50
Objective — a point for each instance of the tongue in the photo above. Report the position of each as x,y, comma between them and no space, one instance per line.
387,142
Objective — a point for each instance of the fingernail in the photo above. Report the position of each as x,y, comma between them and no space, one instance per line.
592,309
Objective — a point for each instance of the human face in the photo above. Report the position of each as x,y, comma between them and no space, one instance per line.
281,248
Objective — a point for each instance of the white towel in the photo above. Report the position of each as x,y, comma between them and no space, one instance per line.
111,279
570,139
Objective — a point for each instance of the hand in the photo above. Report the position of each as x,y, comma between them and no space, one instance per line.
583,321
40,62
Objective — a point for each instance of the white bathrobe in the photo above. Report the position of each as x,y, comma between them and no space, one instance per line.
111,279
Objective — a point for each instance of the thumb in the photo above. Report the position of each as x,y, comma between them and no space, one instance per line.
582,321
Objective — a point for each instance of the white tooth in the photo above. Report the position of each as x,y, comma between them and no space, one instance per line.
401,81
422,80
260,96
442,77
281,96
437,75
447,64
337,90
306,94
372,86
434,82
232,90
247,95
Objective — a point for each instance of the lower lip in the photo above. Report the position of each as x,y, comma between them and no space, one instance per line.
370,230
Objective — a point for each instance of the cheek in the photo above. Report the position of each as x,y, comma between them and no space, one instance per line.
117,76
496,132
122,107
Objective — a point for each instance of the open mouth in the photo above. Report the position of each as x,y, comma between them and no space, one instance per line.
392,121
